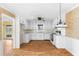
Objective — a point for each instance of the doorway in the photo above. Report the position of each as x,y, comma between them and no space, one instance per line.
8,31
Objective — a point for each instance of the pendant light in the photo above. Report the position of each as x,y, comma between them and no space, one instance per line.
60,21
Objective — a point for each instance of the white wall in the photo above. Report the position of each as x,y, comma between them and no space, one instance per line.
72,45
21,33
1,48
16,42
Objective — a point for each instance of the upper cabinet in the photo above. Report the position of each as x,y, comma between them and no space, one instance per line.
39,25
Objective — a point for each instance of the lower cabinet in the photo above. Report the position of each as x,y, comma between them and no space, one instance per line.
27,38
59,41
40,36
47,36
36,36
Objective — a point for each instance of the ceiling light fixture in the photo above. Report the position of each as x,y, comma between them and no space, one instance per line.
60,21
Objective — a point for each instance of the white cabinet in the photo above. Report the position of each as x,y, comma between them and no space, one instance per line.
37,36
47,36
59,41
27,37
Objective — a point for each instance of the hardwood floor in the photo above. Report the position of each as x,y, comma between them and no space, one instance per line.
40,48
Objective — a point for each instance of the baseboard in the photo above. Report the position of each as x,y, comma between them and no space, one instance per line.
52,42
70,51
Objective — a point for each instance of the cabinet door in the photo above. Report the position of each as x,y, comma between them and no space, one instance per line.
40,36
47,36
27,38
37,36
59,41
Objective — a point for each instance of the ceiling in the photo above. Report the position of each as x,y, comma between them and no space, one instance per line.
33,10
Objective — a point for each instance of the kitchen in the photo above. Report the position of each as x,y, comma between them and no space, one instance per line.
38,29
41,22
41,28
